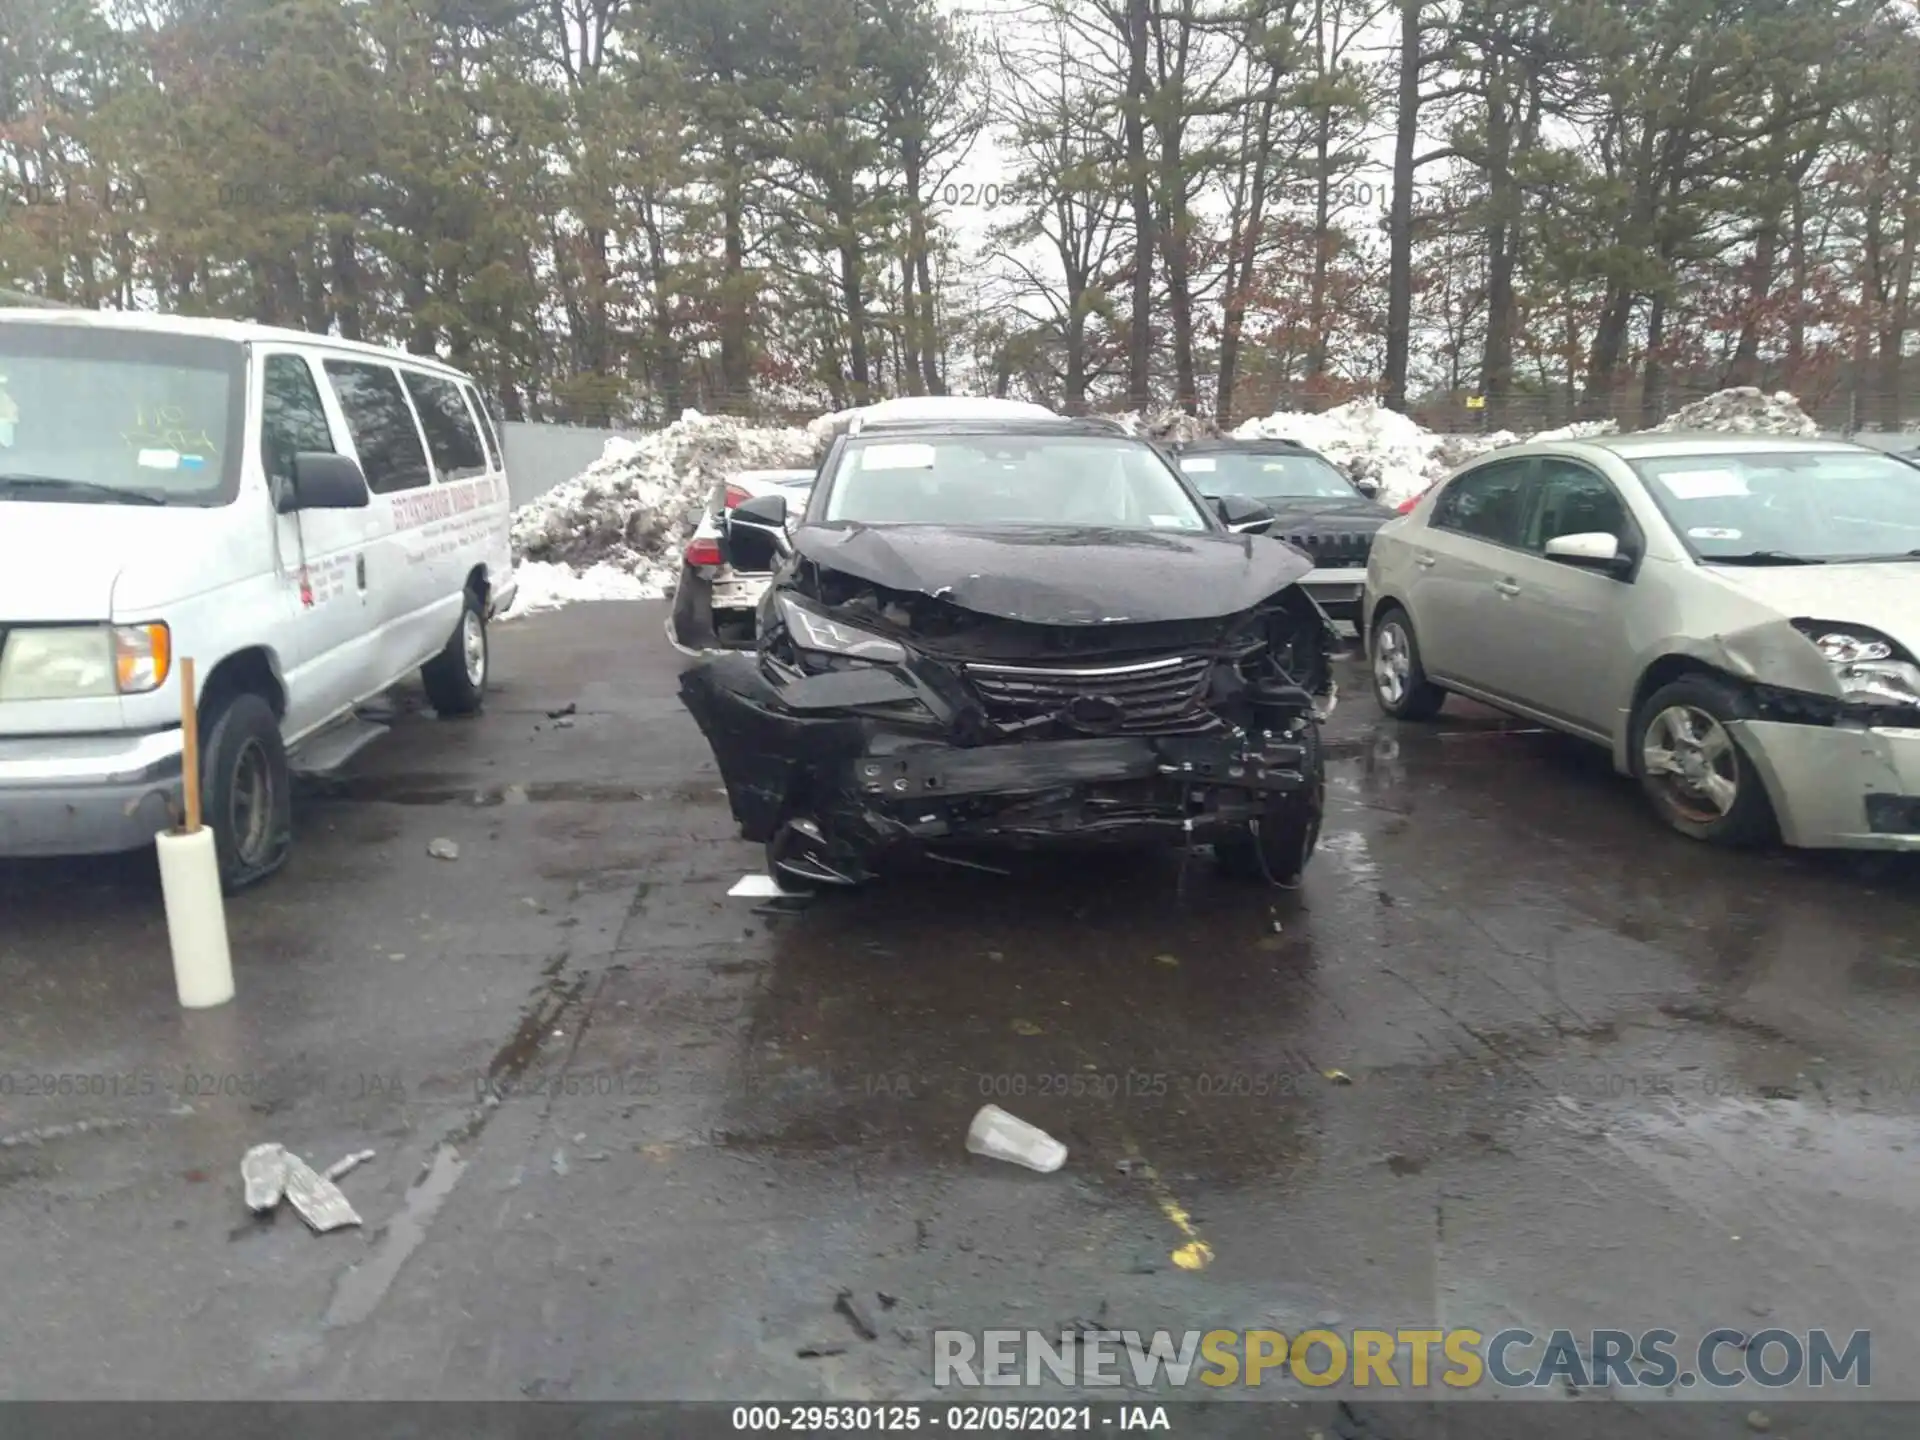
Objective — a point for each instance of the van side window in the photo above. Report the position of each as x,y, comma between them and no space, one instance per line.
489,427
450,429
293,418
382,426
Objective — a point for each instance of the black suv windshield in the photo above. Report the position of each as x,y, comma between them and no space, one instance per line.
93,414
1097,481
1280,476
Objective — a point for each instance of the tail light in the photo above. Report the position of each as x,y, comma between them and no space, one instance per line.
733,495
1405,507
704,550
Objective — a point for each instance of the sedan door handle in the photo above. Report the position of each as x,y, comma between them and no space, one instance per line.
1506,587
1426,562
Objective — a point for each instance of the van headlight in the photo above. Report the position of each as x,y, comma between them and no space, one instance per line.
77,662
1867,665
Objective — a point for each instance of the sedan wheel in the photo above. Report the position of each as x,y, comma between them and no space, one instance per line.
1689,755
1400,682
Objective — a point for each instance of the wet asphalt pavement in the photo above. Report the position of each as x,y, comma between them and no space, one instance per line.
1584,1073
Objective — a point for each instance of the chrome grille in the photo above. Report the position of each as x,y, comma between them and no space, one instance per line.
1155,696
1333,549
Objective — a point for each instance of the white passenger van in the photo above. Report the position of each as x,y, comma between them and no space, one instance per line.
309,519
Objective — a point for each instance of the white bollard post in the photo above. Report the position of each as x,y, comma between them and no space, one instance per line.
190,880
196,918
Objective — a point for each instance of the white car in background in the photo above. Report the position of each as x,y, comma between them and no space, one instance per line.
713,603
1735,617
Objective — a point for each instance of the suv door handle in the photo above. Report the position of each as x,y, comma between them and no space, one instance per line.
1506,587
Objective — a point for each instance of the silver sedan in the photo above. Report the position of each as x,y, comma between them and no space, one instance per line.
1735,617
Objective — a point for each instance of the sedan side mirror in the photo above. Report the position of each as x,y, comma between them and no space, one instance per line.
753,535
324,481
1595,550
1243,516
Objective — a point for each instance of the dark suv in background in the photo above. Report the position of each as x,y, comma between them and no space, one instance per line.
1316,508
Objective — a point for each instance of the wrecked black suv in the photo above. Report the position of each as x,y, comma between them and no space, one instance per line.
1004,634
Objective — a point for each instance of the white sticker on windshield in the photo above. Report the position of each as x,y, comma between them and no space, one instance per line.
897,457
1199,464
1709,532
1704,484
160,459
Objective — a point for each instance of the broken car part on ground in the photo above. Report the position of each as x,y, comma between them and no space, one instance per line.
1009,634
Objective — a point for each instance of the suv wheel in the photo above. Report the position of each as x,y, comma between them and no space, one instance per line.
1400,683
1279,844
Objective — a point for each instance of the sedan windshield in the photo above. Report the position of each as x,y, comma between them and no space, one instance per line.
1789,507
1094,481
103,415
1266,477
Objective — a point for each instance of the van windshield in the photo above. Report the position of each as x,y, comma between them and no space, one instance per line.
102,415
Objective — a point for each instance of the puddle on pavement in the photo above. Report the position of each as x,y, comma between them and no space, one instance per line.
416,790
361,1289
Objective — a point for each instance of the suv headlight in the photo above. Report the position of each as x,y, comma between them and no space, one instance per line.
75,662
1868,666
814,631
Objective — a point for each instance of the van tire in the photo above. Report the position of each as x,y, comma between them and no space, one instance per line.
456,678
246,790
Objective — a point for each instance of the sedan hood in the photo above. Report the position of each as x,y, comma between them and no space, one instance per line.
1879,595
1047,575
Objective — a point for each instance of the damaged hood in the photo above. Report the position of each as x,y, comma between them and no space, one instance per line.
1879,594
1052,575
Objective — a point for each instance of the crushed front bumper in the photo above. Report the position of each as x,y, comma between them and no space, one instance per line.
87,794
1839,787
824,750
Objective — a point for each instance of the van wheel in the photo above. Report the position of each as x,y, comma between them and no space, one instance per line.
246,791
456,678
1279,844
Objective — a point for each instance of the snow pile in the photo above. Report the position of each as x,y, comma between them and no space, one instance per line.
1367,440
1170,424
1744,410
616,530
545,585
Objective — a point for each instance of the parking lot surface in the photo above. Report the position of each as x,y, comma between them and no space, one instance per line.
1513,1055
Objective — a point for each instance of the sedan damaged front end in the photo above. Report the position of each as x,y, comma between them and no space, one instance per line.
876,723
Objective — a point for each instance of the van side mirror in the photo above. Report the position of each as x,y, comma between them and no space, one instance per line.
324,481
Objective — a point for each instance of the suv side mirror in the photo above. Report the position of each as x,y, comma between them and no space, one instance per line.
753,536
1594,550
1368,486
324,481
1243,516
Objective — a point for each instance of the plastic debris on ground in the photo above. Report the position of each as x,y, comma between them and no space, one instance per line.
1000,1136
270,1173
763,887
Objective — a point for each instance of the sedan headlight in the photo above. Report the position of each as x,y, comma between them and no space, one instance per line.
1868,666
76,662
814,631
